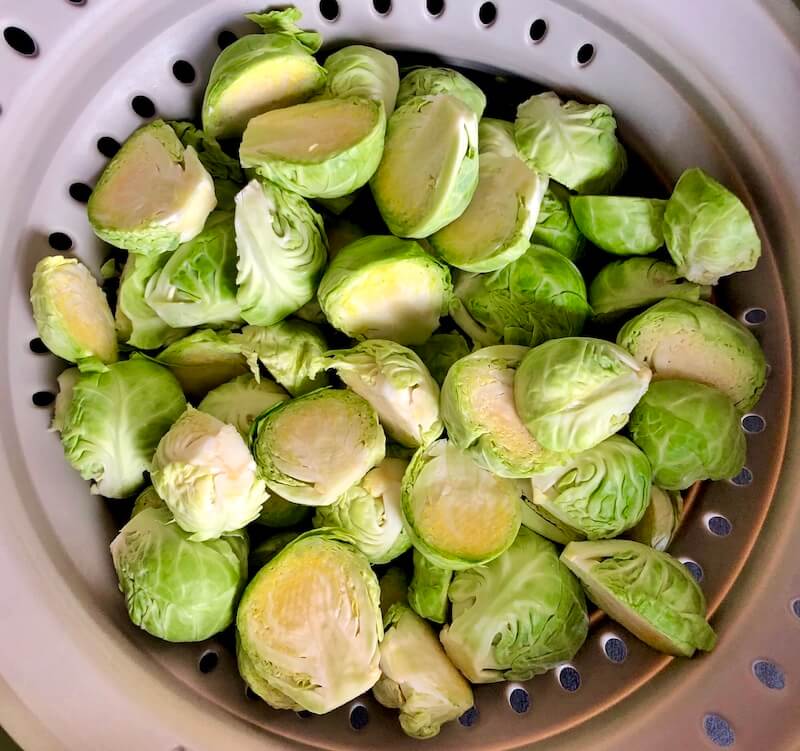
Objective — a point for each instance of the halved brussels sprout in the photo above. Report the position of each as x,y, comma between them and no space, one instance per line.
322,149
71,312
177,589
689,432
573,393
432,81
708,230
312,449
441,351
153,195
148,498
211,155
259,72
240,401
203,470
621,225
555,228
697,341
427,593
647,591
280,242
197,285
263,553
515,617
539,296
369,513
479,414
574,143
309,626
550,528
114,421
381,287
660,521
363,71
394,585
416,676
636,282
443,484
429,169
394,380
497,137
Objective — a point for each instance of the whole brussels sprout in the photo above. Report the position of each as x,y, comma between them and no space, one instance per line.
430,81
427,593
363,71
620,225
555,227
240,401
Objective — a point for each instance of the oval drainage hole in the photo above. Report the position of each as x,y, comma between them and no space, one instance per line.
108,146
20,41
755,316
585,54
469,718
719,525
59,241
615,649
537,30
329,9
519,700
143,106
718,730
80,192
769,674
382,7
359,717
435,8
695,569
744,478
225,38
43,398
38,347
753,423
183,71
487,14
208,662
569,678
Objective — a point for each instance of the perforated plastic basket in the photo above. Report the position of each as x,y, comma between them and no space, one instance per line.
714,83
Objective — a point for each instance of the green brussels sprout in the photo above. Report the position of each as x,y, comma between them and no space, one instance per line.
573,393
429,169
71,312
689,432
539,296
309,626
211,155
697,341
634,283
312,449
381,287
148,498
203,470
260,72
620,225
278,513
363,71
262,554
66,383
443,485
427,593
416,676
647,591
497,137
322,149
708,230
432,81
280,243
571,142
369,513
515,617
548,528
394,380
239,401
153,195
175,588
114,421
479,414
394,586
555,228
441,351
197,284
660,521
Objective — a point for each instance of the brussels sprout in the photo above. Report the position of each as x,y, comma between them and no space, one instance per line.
416,676
689,432
443,484
66,383
240,401
550,528
153,195
312,449
381,287
290,350
197,285
539,296
441,351
574,143
636,282
148,498
261,72
621,225
394,380
177,589
309,625
515,617
363,71
497,137
648,592
211,155
429,169
432,81
573,393
708,230
280,243
71,312
427,593
267,550
369,513
660,521
114,421
479,414
278,513
555,228
322,149
394,586
699,342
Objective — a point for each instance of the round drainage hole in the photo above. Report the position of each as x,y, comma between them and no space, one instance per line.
143,106
59,241
43,398
569,678
487,14
37,346
694,569
745,477
537,30
435,8
585,54
718,730
615,649
329,9
20,41
359,717
769,674
519,700
469,718
208,662
753,423
225,38
719,525
108,146
183,71
382,7
80,192
755,316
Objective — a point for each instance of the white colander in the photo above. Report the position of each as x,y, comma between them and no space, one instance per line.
714,83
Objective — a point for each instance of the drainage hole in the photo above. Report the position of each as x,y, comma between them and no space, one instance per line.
329,9
20,41
769,674
538,30
469,718
585,54
303,714
719,730
359,717
108,146
208,661
615,649
435,8
226,38
569,678
755,316
37,346
183,71
719,525
745,477
250,694
519,700
382,7
487,14
59,241
43,398
80,192
694,569
753,423
796,607
143,106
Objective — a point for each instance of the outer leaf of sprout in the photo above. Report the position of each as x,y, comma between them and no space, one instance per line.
621,225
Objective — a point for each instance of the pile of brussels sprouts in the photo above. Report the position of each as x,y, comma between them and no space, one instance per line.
273,373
